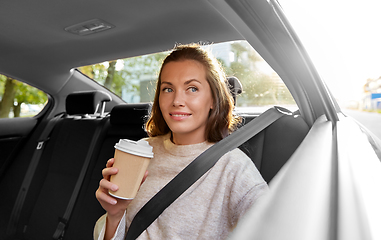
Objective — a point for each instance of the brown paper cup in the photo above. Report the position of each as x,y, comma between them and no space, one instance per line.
130,175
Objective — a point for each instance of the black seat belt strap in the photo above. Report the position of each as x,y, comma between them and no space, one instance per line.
63,221
198,167
16,211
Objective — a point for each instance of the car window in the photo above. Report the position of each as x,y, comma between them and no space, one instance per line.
134,79
18,99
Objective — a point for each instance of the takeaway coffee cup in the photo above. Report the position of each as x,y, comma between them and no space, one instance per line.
132,159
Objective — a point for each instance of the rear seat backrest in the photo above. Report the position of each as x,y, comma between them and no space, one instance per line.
130,115
271,148
126,121
60,165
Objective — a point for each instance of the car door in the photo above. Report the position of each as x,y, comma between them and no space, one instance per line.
21,109
327,189
13,133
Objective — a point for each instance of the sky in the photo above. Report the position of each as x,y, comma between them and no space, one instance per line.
343,38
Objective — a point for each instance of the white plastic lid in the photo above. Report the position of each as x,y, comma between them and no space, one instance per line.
139,148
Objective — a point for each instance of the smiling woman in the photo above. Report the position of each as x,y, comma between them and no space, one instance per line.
185,104
320,184
192,110
195,80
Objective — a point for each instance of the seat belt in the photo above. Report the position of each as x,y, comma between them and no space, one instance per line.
198,167
63,221
16,211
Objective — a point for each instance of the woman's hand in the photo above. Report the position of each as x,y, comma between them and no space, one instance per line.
115,207
112,205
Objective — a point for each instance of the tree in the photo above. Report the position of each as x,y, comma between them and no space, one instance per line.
14,93
7,100
110,74
28,95
125,75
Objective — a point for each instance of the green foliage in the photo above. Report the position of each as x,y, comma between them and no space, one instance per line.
19,93
29,95
2,84
128,73
98,72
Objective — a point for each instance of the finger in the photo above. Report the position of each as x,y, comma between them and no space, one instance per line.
105,197
107,172
110,162
106,185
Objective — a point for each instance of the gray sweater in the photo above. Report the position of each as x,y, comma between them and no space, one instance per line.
209,209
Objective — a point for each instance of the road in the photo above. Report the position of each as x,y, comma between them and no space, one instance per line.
370,120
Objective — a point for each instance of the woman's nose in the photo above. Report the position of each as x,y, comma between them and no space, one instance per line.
178,100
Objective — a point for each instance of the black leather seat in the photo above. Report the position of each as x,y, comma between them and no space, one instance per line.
58,167
126,121
271,148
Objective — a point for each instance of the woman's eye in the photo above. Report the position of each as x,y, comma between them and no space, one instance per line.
167,90
193,89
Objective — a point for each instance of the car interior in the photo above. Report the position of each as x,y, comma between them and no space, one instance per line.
51,164
79,135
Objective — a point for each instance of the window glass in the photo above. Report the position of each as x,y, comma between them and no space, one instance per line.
134,79
262,87
18,99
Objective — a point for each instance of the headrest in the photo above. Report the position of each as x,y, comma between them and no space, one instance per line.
235,87
125,114
85,102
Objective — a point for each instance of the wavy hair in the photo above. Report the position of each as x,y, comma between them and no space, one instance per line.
221,121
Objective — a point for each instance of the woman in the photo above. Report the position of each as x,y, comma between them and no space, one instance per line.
192,110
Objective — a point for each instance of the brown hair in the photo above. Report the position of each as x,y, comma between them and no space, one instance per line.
221,120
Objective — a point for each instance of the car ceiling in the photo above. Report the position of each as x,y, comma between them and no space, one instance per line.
35,47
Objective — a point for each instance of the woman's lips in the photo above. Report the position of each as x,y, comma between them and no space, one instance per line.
179,115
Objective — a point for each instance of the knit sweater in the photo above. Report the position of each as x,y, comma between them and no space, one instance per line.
209,209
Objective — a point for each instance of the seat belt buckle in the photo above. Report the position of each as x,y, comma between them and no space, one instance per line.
40,144
60,231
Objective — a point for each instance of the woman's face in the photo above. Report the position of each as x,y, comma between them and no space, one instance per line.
185,100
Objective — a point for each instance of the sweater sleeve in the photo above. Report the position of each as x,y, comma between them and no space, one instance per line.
247,186
100,228
248,201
